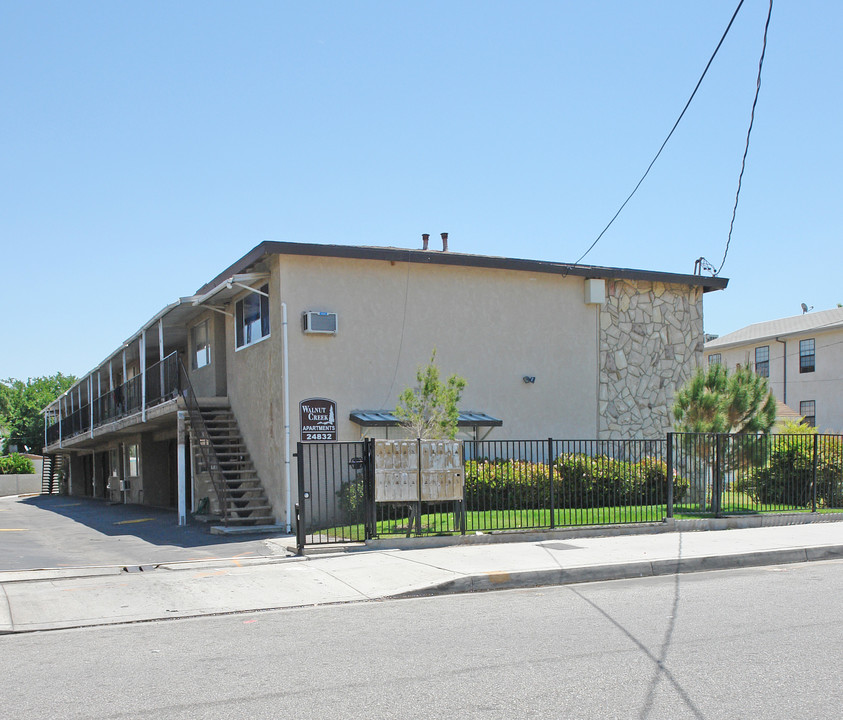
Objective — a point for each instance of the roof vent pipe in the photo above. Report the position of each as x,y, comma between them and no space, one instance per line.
444,242
425,240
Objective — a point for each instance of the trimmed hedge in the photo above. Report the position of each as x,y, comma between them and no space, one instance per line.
16,464
787,479
579,481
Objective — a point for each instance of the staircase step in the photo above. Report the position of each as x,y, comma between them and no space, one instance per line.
245,498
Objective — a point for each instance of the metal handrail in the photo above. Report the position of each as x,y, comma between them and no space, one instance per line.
203,437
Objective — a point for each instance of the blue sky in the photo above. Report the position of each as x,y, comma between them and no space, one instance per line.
146,146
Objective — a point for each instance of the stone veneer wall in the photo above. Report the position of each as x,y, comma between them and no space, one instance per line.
651,340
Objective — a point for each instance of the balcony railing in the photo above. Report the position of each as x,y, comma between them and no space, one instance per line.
162,385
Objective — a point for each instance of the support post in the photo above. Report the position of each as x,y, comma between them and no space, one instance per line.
91,401
161,359
182,475
143,373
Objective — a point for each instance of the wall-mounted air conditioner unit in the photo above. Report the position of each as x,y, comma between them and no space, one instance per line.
319,323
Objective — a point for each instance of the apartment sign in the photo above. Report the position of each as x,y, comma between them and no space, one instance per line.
318,420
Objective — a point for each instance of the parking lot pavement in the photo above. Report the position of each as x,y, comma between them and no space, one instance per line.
51,531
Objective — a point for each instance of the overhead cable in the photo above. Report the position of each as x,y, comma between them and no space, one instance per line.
675,125
748,133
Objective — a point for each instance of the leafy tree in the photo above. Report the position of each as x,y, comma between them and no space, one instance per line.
713,401
429,410
21,404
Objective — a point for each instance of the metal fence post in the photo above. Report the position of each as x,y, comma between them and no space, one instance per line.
670,475
814,476
370,519
550,463
462,504
300,512
718,474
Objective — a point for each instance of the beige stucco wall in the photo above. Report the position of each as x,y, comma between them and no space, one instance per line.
651,341
255,382
210,380
824,386
493,327
601,371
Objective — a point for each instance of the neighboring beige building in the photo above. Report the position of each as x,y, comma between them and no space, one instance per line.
548,349
803,358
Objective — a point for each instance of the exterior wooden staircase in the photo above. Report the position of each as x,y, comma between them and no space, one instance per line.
243,496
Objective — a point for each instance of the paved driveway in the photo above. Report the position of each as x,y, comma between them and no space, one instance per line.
50,531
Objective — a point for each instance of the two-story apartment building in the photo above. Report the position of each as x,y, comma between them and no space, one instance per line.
303,342
803,358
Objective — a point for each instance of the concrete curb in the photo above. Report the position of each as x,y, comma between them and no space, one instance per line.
623,571
738,522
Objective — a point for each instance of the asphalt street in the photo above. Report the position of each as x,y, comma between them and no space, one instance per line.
749,643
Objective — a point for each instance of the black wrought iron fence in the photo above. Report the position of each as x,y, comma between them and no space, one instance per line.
125,400
533,484
162,380
552,483
739,474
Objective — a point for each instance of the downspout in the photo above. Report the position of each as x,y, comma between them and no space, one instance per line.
784,363
286,369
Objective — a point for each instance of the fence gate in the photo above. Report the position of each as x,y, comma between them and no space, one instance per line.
335,492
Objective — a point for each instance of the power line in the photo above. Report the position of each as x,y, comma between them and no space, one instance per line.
748,133
675,125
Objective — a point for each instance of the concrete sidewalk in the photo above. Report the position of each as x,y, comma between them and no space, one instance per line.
77,597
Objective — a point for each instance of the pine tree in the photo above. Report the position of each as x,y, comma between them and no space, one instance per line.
429,410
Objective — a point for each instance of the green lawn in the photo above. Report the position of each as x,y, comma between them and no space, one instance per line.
444,523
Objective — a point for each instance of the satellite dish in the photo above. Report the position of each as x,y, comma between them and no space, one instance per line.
804,308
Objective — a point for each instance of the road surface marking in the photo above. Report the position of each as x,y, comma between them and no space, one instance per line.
130,522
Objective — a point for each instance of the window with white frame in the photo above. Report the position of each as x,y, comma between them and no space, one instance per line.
201,345
806,356
762,361
808,411
714,359
251,315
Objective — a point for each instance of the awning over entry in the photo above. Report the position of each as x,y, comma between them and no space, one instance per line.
386,418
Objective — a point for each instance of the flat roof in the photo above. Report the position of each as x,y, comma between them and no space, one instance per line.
438,257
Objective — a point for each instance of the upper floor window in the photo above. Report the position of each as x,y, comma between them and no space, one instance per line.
762,361
714,359
201,345
808,411
252,317
806,356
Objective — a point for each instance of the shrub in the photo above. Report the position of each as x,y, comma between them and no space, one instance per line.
352,498
787,479
579,481
15,464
